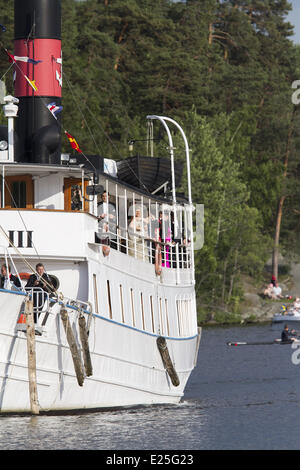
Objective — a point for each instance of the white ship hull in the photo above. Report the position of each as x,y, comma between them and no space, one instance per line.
127,365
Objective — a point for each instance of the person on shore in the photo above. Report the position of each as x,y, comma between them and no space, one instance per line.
268,291
277,292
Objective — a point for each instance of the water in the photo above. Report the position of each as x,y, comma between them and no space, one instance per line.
237,398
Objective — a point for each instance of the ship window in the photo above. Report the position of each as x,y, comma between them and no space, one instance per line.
109,300
161,317
178,305
142,309
152,314
132,306
19,192
95,294
122,304
167,317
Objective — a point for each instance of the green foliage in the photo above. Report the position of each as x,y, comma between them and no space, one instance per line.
224,70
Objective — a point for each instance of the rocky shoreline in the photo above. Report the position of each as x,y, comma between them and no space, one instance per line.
254,308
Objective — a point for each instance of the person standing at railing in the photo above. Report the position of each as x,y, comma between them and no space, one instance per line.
165,236
137,231
8,280
107,228
153,235
167,240
175,239
40,280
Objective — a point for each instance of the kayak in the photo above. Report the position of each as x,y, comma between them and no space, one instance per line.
258,343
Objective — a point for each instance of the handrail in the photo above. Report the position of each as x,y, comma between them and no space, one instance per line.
187,152
149,239
162,119
171,148
181,251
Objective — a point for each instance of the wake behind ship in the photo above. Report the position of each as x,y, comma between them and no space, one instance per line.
110,246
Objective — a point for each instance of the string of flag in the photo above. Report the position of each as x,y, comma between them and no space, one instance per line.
15,59
54,109
73,142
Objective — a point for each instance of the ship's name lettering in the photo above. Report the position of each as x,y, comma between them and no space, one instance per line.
21,238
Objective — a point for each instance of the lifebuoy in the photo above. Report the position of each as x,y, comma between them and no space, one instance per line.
24,276
157,260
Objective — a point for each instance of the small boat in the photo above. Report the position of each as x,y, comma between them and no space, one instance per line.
291,316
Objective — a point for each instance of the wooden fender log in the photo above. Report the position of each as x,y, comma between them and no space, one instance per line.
85,345
30,333
73,346
168,365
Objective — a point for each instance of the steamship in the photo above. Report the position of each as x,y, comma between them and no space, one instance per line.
134,287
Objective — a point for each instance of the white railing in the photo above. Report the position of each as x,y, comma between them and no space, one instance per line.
41,301
173,254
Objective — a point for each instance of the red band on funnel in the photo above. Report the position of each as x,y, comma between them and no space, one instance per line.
47,75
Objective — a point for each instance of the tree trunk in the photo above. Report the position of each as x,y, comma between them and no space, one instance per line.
276,238
282,199
210,36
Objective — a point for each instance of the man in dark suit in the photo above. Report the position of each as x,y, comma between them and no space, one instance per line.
40,280
107,217
6,275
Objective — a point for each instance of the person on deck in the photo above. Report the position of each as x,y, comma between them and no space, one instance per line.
8,279
137,231
40,280
287,335
107,216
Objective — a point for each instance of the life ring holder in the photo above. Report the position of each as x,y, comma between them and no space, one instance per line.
54,281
